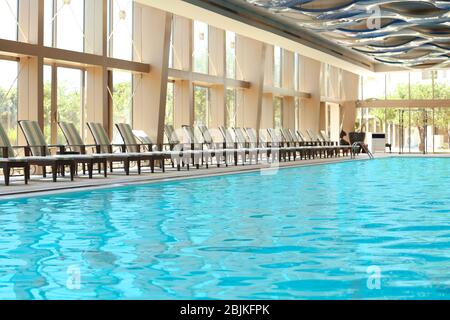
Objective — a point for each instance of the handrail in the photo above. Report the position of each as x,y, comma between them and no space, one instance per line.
363,146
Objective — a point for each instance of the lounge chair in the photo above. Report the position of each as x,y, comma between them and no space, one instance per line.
9,160
329,149
232,146
215,149
312,148
132,146
75,144
185,149
345,149
148,144
37,147
293,143
199,143
276,140
272,152
103,146
244,142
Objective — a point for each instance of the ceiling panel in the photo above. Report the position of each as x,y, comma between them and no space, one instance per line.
412,34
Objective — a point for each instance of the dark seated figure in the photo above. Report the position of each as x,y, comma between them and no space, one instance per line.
357,137
342,141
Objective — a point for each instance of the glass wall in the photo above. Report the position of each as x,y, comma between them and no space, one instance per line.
201,47
201,105
120,29
374,87
122,100
169,103
277,112
397,85
231,54
421,85
8,18
69,99
8,98
48,103
230,117
442,84
277,63
64,24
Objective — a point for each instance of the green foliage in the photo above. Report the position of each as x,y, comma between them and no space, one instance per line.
201,105
122,102
230,120
8,112
277,112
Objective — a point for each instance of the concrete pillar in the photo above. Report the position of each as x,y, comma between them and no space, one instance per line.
149,104
250,56
31,77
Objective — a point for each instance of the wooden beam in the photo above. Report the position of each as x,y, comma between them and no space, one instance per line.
73,57
286,92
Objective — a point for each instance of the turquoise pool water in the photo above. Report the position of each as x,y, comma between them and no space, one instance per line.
367,229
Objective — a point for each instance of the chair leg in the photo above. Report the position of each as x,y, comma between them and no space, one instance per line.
105,168
44,171
26,173
163,166
72,171
152,165
54,172
127,167
6,173
90,168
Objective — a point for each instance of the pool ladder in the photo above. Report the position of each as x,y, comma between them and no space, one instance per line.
363,146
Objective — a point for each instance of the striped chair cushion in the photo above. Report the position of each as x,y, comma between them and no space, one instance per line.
4,142
206,134
72,136
171,135
35,138
142,136
100,137
128,137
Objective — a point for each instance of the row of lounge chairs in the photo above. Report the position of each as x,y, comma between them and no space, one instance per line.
198,148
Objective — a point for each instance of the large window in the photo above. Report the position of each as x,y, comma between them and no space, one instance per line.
69,104
8,18
8,98
169,103
201,105
277,112
70,99
231,54
201,47
421,86
64,24
48,103
442,84
120,35
277,63
374,87
230,120
122,96
397,85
